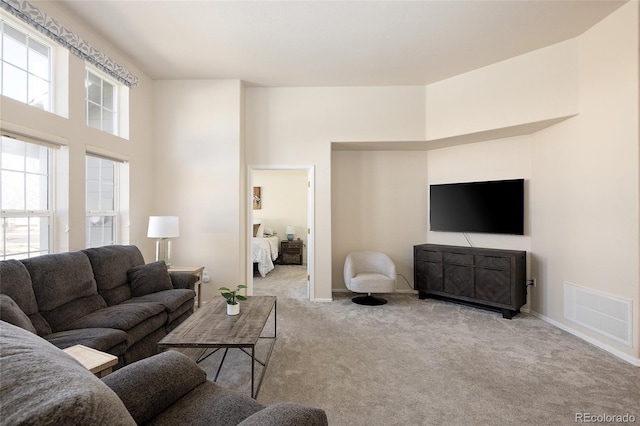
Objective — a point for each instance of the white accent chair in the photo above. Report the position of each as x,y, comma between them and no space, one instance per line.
369,272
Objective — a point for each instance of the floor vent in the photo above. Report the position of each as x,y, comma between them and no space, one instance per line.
599,312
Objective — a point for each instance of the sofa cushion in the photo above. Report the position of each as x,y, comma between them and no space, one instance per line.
170,299
64,315
16,283
149,278
103,339
121,317
213,402
11,313
139,383
287,414
60,278
110,265
32,373
146,344
183,280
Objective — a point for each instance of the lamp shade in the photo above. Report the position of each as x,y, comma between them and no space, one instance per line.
163,227
290,230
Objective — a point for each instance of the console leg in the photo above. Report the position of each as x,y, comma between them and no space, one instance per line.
422,295
508,313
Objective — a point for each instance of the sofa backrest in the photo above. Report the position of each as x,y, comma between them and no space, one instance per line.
110,265
15,282
43,385
64,287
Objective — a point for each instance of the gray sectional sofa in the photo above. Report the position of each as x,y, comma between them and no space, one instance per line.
105,298
42,385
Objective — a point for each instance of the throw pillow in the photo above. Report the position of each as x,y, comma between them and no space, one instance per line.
149,278
11,313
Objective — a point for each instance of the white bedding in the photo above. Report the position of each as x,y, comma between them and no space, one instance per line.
265,252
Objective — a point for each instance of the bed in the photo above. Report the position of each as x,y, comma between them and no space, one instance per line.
265,252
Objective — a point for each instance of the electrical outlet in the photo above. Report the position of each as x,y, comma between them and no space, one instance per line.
535,283
532,282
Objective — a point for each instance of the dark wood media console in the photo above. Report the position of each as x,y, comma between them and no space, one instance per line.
488,277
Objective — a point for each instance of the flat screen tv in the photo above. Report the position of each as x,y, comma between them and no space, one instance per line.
492,207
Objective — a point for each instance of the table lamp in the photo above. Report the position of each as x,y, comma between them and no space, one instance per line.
163,228
290,231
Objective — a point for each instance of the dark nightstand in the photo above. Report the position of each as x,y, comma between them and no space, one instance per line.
291,252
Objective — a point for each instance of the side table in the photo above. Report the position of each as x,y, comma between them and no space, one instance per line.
291,252
195,270
99,363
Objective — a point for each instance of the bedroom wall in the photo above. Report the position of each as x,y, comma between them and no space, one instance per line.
284,202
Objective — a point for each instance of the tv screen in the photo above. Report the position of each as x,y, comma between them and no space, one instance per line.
492,207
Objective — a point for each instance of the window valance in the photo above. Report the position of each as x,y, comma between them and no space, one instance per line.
76,45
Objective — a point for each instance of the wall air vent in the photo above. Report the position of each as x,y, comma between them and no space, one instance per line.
600,312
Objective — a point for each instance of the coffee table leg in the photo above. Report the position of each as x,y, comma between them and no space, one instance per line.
221,362
253,366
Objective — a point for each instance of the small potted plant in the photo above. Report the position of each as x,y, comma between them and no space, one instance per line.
233,307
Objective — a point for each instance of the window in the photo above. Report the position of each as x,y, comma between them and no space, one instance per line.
102,201
25,67
101,101
25,199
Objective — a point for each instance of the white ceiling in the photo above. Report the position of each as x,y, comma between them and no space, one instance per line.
332,43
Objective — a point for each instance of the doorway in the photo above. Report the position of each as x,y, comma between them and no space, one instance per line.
281,208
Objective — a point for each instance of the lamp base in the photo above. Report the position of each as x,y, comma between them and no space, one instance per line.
163,250
290,237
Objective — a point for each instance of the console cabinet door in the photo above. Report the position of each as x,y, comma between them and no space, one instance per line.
428,276
493,285
458,280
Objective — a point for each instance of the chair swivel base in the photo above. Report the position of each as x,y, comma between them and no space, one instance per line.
369,300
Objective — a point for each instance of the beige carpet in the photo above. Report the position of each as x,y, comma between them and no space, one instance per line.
427,362
288,281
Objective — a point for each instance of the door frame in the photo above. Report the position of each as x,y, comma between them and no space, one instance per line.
310,222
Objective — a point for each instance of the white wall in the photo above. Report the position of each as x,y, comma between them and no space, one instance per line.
284,202
508,158
585,181
537,86
582,192
379,202
198,161
295,126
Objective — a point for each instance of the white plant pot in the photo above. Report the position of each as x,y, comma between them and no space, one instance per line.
233,309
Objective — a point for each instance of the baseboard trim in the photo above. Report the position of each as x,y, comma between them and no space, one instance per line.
623,356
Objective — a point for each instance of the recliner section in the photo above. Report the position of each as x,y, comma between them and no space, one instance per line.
85,297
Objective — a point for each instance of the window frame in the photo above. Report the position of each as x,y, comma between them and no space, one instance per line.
102,213
6,214
115,101
31,34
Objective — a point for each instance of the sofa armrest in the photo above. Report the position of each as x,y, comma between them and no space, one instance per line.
149,386
183,280
287,414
